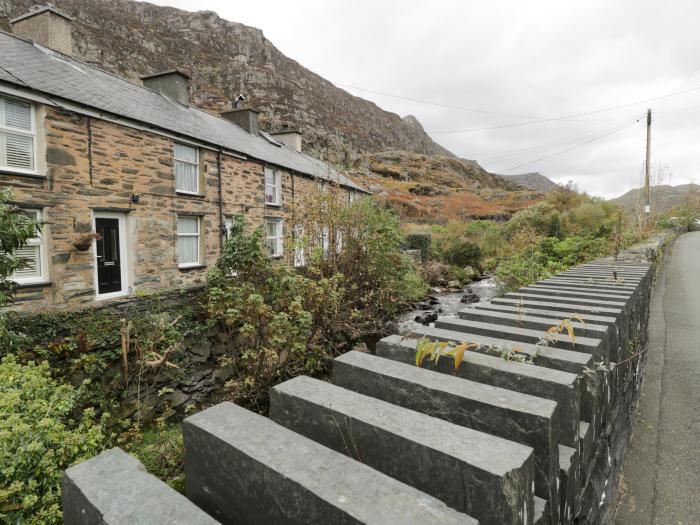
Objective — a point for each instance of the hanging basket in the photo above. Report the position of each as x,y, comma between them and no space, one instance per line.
84,242
82,247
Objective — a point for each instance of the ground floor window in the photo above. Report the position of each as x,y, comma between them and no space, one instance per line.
273,237
188,241
33,255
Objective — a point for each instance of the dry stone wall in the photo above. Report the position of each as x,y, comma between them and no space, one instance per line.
493,441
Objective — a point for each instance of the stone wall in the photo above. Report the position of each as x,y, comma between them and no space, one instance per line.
518,432
93,165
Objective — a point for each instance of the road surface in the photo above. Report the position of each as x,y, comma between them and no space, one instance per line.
660,481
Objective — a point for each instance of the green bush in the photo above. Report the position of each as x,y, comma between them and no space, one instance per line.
549,255
463,253
420,241
40,436
271,314
541,218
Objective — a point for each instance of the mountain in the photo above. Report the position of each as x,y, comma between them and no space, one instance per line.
226,58
534,181
391,155
662,197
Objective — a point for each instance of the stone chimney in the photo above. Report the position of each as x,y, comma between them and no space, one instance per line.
47,26
289,136
247,118
173,84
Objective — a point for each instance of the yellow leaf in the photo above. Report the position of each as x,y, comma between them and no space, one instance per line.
517,349
552,329
459,354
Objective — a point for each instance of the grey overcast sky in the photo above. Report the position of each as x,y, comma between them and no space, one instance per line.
528,60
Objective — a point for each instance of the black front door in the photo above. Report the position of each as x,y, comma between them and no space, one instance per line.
109,274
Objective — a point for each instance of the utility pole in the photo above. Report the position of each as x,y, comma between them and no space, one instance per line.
647,200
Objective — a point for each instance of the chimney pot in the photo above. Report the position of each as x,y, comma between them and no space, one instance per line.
173,84
47,26
289,136
247,118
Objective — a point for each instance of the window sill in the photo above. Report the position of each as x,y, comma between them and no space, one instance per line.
273,205
191,267
189,195
6,171
280,256
40,284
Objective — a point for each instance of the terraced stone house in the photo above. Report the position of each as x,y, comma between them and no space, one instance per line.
86,152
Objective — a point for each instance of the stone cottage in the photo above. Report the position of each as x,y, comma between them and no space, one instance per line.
135,187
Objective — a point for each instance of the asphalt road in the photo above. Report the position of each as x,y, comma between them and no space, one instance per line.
660,481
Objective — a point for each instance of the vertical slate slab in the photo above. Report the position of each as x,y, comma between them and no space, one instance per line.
487,477
562,387
504,413
247,470
114,488
569,468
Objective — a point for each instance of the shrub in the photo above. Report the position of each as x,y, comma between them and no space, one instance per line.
463,253
420,241
436,273
272,315
363,243
542,218
546,257
39,439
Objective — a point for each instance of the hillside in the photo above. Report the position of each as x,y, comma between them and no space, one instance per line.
533,181
662,197
426,188
226,58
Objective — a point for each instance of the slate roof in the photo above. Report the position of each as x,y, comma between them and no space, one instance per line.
26,64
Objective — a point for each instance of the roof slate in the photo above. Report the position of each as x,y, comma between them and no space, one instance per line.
27,64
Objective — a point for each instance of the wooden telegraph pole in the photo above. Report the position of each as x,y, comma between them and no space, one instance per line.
647,200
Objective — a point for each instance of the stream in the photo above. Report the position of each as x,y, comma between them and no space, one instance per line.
448,304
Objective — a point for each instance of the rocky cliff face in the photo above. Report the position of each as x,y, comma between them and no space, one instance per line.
226,58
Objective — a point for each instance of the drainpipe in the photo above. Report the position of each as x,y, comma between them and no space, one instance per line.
222,225
89,146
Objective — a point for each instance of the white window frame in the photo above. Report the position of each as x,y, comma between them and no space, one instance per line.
279,238
17,131
123,255
195,164
276,186
198,235
38,240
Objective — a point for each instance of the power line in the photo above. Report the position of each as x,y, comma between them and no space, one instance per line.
564,117
509,153
430,103
600,136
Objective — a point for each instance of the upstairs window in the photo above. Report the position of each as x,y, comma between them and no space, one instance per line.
186,169
33,256
16,135
273,187
188,241
273,237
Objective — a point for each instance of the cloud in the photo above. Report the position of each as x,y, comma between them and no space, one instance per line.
537,59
